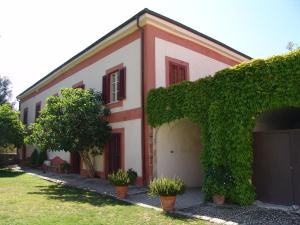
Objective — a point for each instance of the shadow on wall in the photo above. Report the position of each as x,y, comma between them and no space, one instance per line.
177,152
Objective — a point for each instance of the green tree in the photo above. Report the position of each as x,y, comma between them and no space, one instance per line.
5,91
73,122
11,128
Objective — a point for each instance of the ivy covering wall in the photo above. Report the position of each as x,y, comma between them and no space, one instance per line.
225,106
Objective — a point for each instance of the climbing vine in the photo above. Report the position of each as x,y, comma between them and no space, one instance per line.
225,106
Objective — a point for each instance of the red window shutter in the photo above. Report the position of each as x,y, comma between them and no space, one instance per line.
37,110
25,116
171,73
106,89
122,84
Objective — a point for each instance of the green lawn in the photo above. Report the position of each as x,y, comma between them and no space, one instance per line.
25,199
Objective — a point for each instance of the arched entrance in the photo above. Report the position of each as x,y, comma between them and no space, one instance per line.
276,163
177,152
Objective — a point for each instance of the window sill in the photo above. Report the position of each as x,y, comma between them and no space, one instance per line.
115,104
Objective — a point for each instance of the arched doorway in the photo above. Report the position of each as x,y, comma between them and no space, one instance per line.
177,152
276,163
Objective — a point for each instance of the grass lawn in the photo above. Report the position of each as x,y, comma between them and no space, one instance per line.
26,199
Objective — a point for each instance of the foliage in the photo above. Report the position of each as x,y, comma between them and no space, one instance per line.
66,166
165,186
34,158
42,157
74,122
8,149
132,174
11,128
5,91
225,107
120,178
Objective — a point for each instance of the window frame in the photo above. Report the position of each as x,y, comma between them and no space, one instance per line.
38,108
168,62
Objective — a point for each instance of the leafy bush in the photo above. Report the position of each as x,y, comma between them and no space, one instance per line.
132,175
42,157
120,178
225,107
34,158
66,166
165,186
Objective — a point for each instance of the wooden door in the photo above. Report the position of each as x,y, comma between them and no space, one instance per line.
75,162
114,153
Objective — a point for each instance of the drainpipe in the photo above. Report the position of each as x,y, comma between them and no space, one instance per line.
141,29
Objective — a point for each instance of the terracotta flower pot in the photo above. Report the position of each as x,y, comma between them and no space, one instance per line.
167,202
121,191
218,199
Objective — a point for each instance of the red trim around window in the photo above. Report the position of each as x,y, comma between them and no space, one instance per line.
109,72
170,60
121,131
38,107
79,85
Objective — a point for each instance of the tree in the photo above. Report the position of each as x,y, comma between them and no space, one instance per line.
291,46
74,122
5,91
11,128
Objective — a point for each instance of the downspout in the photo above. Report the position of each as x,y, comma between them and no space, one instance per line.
141,29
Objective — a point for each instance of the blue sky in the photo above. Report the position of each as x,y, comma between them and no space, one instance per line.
37,36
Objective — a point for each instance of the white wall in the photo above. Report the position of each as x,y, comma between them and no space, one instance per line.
199,65
133,149
91,76
177,152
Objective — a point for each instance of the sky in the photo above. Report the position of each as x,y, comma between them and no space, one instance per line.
36,36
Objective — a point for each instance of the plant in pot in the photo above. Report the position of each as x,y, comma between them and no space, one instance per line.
167,189
132,176
217,183
120,180
66,167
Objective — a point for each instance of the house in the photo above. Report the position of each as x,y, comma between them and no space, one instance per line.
147,51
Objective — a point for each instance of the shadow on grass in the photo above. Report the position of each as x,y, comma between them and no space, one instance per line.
72,194
6,172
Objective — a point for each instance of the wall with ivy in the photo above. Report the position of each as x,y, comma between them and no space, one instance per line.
225,106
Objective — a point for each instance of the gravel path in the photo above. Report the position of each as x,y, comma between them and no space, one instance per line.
248,215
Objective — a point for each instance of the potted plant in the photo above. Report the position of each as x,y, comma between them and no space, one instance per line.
217,183
120,180
66,167
167,189
132,176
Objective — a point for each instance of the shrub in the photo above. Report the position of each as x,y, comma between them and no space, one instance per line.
34,158
119,178
165,186
42,157
66,166
132,175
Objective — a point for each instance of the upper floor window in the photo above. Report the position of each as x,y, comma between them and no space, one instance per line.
114,86
38,108
25,116
176,71
79,85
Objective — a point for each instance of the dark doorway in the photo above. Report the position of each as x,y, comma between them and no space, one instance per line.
24,152
276,162
75,162
114,153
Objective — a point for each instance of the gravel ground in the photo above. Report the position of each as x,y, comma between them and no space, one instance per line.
249,215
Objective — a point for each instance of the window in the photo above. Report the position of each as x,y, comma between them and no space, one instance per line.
176,71
79,85
25,116
37,109
114,86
